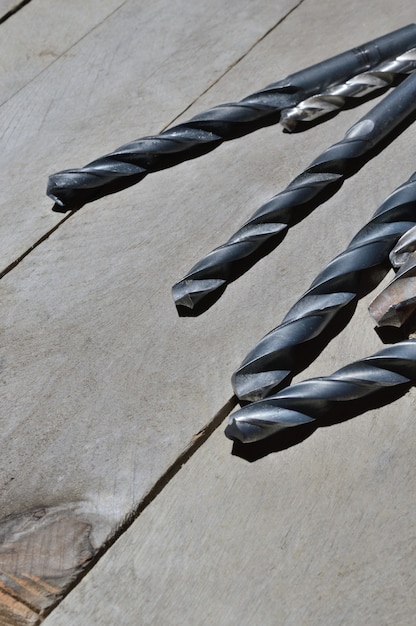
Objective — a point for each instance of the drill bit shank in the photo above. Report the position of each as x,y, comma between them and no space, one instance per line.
130,163
268,226
292,346
320,400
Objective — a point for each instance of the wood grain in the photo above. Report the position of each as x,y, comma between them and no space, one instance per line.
103,386
41,551
41,32
309,536
101,392
134,74
321,533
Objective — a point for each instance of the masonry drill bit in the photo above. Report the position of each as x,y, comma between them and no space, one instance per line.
360,86
326,399
130,163
293,345
208,279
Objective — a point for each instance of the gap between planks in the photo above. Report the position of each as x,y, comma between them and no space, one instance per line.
46,236
64,52
205,433
230,67
197,441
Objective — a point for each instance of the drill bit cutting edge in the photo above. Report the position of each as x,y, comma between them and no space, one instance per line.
397,302
267,227
129,164
318,400
292,345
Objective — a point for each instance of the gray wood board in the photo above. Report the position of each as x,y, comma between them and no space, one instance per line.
130,76
103,386
41,32
319,533
323,533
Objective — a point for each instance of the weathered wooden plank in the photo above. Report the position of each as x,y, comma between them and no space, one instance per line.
132,76
9,7
103,385
39,33
322,533
215,527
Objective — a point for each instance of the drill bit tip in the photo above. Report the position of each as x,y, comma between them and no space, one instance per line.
326,307
323,400
188,296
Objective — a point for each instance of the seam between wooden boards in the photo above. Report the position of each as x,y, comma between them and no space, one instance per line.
197,440
203,435
46,236
64,52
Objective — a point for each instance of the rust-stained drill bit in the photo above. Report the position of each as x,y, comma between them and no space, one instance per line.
126,166
208,279
293,345
359,86
397,302
325,399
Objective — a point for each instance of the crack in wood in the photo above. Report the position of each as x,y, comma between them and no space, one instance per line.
196,442
37,243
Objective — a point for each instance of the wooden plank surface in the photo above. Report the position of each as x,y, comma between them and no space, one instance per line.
135,72
41,32
319,533
103,386
311,535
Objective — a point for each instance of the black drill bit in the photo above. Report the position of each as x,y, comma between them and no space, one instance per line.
329,399
265,230
294,344
356,88
126,166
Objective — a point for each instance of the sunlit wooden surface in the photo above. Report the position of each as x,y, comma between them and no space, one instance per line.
106,392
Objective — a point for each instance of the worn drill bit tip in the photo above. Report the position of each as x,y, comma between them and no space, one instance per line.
265,230
130,163
299,338
360,86
322,400
397,302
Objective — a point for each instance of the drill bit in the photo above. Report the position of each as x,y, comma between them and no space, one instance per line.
328,399
208,279
359,86
130,163
294,344
404,248
397,302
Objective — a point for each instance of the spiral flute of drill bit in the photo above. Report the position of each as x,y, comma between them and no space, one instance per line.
359,86
130,163
328,399
263,232
294,344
